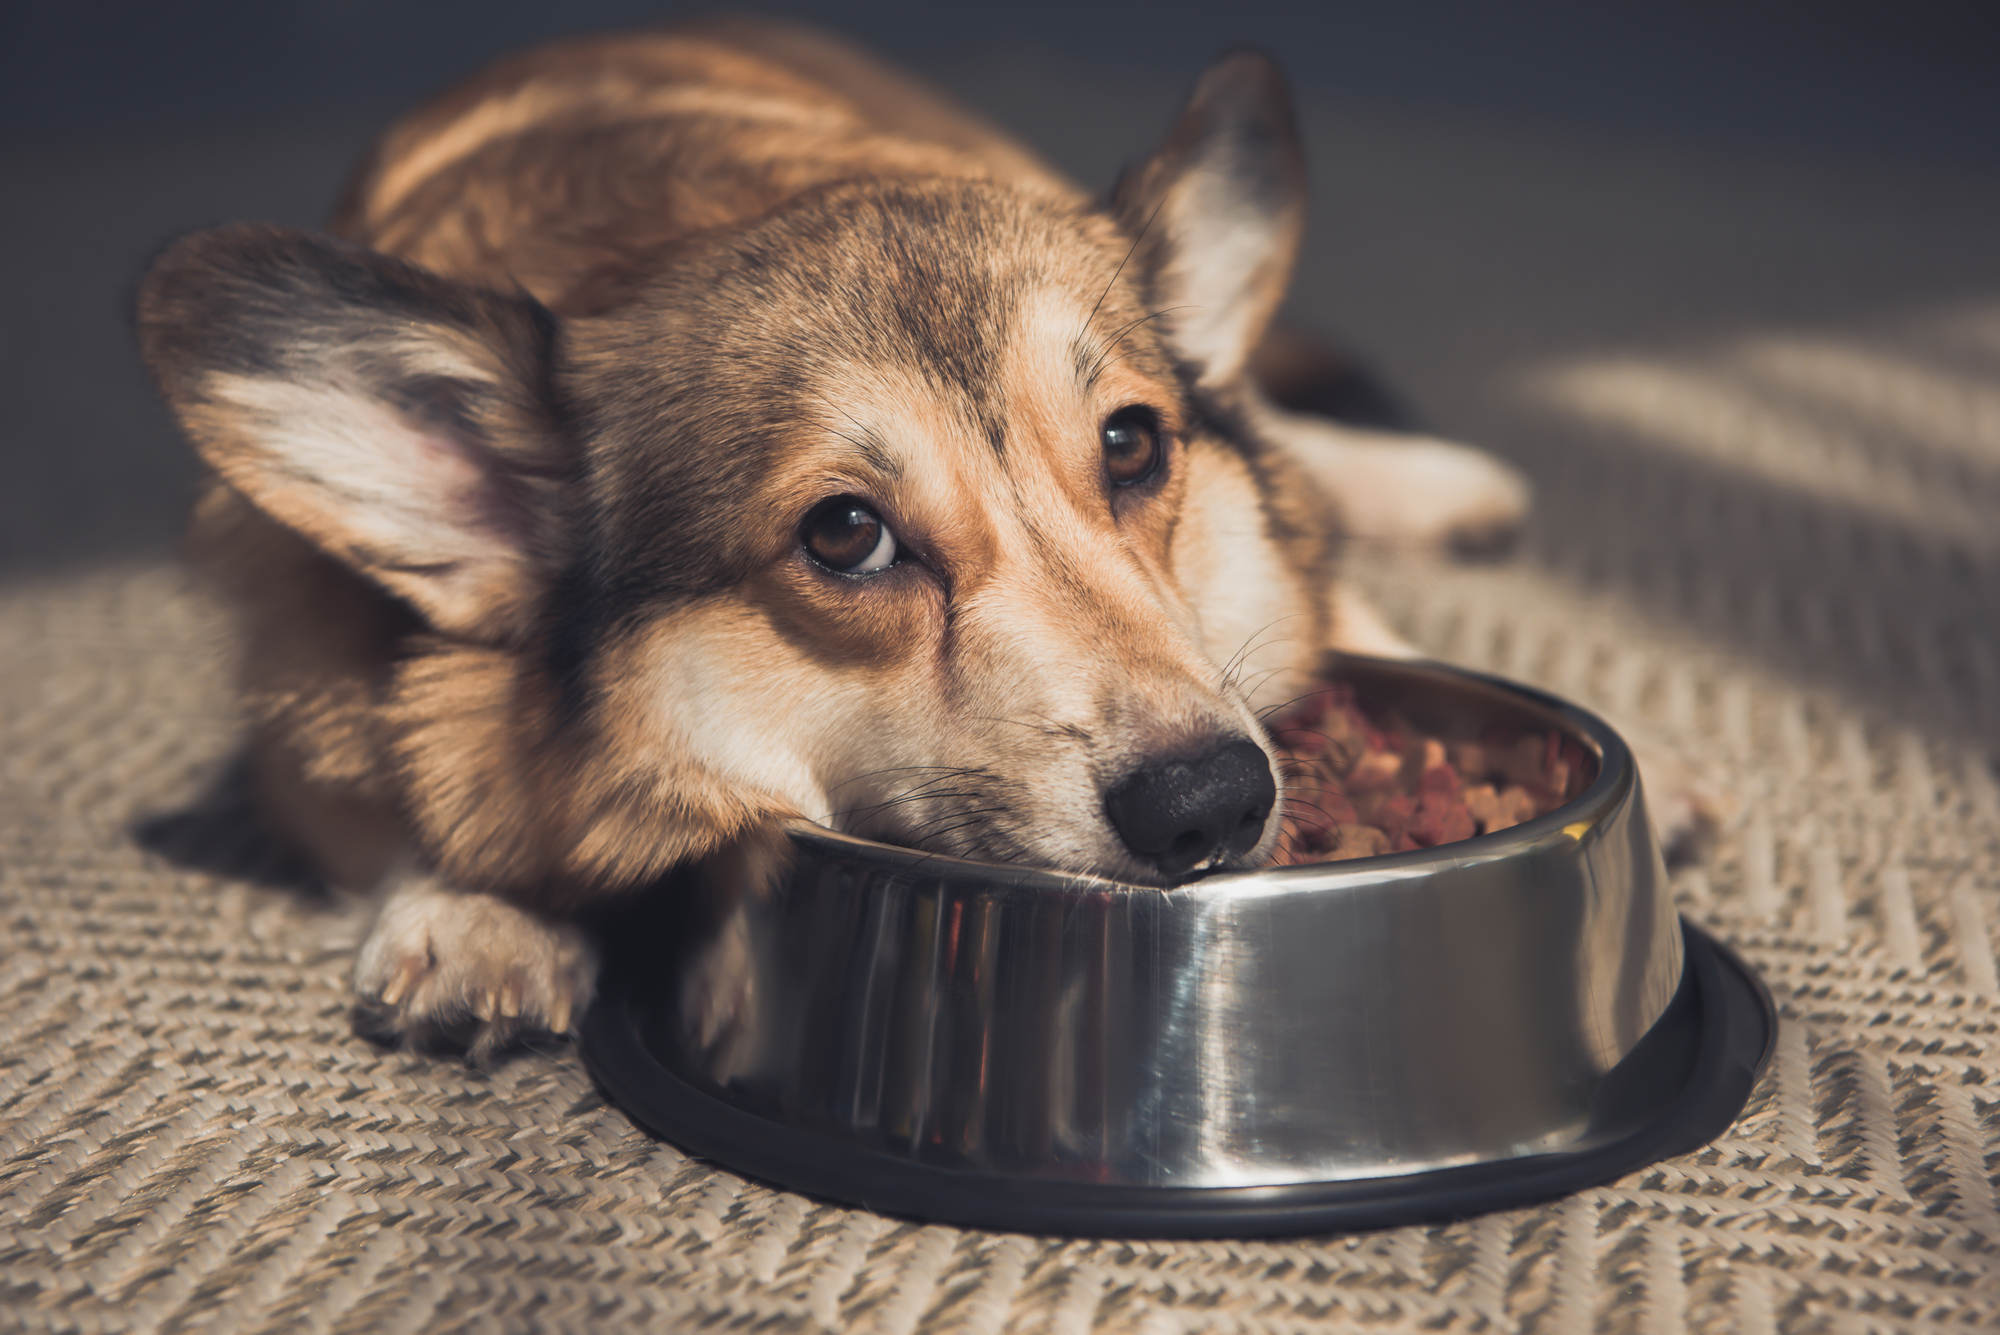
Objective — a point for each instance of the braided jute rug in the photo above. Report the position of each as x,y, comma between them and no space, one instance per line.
1763,409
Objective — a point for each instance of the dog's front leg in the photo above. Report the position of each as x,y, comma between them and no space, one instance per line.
446,967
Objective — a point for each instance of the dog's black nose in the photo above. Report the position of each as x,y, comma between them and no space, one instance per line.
1176,813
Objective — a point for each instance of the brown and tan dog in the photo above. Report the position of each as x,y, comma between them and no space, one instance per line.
700,428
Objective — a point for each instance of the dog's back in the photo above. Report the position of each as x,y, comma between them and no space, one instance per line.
565,168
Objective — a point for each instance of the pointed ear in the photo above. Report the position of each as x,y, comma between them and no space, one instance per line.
1218,211
400,421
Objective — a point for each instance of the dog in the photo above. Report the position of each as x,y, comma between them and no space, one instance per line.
687,431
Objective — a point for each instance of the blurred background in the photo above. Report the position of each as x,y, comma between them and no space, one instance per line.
1540,220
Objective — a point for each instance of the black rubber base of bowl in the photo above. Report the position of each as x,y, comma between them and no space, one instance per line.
1678,1089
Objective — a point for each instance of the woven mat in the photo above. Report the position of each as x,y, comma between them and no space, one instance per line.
1763,408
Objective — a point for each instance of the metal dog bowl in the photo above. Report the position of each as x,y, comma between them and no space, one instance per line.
1388,1040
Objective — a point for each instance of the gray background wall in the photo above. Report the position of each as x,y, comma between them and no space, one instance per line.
122,125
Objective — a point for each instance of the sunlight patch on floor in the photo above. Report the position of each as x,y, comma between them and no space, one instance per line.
1910,435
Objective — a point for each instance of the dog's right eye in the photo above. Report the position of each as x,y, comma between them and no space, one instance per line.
848,538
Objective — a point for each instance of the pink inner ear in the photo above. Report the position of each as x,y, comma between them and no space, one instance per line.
463,517
420,504
476,491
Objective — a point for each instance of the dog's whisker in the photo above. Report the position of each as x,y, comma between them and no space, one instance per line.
862,815
903,769
1130,251
1262,677
907,799
1283,705
860,444
932,836
1105,360
930,790
1302,732
1318,789
959,815
1250,644
1046,726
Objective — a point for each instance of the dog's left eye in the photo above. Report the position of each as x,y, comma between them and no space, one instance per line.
848,538
1131,439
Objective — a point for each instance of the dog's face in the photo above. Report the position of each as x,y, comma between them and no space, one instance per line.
915,508
930,473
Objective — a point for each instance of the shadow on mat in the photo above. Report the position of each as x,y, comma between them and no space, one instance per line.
222,833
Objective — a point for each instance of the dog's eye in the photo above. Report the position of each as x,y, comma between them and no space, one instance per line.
848,538
1131,446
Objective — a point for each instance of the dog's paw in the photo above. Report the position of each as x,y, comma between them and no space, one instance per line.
454,969
1408,489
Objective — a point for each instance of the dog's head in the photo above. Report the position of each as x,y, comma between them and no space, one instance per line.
919,507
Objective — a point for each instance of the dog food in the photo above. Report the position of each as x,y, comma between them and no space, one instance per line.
1357,785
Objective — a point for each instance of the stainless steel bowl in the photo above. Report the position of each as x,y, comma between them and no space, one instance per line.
1255,1051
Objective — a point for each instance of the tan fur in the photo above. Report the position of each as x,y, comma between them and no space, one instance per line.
509,494
557,169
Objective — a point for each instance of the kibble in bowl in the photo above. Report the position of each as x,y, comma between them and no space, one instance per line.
1361,783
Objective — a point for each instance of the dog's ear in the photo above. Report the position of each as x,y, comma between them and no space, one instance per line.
400,421
1217,213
